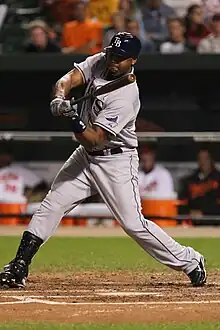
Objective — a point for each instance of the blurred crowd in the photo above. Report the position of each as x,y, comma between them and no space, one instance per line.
87,26
197,191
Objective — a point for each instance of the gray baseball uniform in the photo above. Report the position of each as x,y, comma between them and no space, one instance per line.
114,177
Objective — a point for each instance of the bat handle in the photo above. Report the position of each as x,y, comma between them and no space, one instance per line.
83,98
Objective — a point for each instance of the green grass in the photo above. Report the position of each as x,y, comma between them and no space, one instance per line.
121,253
40,326
113,254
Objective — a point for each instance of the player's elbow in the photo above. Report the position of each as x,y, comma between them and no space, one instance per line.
91,137
96,141
99,137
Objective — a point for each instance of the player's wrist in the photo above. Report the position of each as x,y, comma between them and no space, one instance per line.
59,96
78,126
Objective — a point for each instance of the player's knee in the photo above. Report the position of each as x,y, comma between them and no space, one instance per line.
52,204
133,226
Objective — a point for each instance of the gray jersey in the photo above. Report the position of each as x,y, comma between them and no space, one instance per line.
116,112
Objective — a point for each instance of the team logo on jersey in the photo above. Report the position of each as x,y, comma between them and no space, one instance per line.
113,121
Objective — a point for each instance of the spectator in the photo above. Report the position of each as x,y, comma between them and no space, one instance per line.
58,11
155,15
154,180
132,26
201,190
118,25
211,44
211,7
196,30
40,39
102,10
19,179
181,6
176,42
130,9
11,184
82,35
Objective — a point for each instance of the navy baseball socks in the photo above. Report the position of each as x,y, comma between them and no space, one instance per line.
15,273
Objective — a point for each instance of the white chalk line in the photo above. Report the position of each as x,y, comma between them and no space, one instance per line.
90,296
7,294
15,302
150,303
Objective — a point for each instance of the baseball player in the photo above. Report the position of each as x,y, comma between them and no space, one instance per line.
105,162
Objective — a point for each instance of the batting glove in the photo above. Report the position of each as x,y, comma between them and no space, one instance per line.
59,107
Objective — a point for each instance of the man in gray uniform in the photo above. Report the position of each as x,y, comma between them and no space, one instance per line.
105,162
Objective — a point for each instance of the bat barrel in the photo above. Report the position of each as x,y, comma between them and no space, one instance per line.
108,88
131,77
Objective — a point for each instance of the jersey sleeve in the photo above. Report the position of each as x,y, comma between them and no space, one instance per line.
86,67
115,116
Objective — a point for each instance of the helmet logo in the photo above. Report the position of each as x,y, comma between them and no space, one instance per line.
117,42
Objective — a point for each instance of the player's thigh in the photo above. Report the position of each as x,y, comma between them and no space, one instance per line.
72,183
117,183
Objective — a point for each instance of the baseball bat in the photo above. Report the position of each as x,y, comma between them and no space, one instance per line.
107,88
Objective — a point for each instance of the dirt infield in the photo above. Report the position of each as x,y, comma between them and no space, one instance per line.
112,298
101,297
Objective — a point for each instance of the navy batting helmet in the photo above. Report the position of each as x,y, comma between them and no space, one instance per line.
125,44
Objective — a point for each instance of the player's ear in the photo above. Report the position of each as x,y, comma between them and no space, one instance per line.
134,60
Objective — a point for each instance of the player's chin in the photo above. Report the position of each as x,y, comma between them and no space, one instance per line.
113,69
114,72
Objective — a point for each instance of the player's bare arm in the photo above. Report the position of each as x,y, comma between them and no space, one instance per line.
92,136
70,80
60,105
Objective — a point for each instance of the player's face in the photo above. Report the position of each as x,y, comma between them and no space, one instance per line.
118,65
155,4
147,160
176,30
133,28
79,11
39,37
197,15
205,161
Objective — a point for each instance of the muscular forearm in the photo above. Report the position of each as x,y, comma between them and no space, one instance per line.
63,86
91,137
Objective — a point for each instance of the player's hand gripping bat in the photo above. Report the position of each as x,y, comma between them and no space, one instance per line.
107,88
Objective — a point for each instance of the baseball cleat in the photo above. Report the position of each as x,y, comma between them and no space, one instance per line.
198,275
14,275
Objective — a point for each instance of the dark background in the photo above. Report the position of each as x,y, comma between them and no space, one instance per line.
178,93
